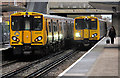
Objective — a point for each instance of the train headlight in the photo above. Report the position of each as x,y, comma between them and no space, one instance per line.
38,38
94,35
15,38
77,34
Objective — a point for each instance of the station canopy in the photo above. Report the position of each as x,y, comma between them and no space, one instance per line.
7,8
112,6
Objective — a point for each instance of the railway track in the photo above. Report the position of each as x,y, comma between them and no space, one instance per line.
43,71
23,68
8,63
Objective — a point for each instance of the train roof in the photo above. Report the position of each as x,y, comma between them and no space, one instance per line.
86,17
90,17
55,16
45,15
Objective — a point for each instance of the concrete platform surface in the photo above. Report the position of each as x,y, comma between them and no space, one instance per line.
100,60
4,47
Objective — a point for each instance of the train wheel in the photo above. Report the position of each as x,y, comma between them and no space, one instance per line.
46,50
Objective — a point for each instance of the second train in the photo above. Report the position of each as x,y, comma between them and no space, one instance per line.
88,30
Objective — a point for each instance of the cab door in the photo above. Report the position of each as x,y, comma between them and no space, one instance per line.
86,28
26,37
86,33
27,33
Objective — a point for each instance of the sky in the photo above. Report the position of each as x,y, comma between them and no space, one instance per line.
105,16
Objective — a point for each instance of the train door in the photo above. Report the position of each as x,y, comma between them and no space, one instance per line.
94,28
55,30
26,33
86,29
86,33
52,27
60,31
66,28
50,31
72,27
47,30
63,29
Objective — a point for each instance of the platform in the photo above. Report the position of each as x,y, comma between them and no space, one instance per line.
100,60
4,46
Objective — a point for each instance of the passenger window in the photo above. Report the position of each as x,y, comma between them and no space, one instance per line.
49,27
55,26
46,27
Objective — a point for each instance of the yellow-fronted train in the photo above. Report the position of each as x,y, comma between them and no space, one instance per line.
88,30
32,32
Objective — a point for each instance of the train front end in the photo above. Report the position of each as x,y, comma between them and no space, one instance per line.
26,32
86,30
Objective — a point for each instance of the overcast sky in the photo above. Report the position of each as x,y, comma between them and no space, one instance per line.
104,16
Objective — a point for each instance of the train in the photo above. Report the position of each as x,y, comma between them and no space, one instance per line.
88,30
37,33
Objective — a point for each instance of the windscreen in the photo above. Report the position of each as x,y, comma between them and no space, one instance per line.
26,23
80,24
92,23
85,24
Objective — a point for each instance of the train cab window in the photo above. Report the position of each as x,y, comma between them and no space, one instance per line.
37,24
85,24
64,25
16,23
26,23
49,27
92,24
54,26
80,24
